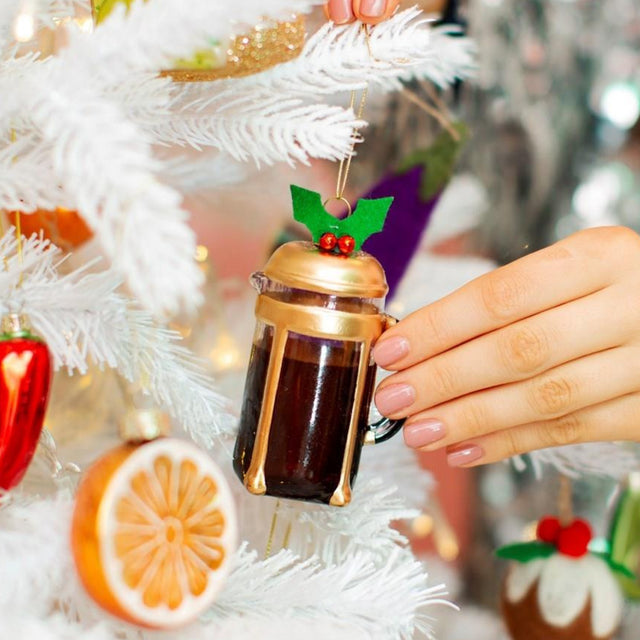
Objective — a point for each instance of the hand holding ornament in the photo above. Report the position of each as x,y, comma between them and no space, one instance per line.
542,352
367,11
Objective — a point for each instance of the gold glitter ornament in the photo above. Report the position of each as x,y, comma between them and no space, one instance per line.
268,43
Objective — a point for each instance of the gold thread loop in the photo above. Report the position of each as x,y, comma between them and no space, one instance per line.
338,199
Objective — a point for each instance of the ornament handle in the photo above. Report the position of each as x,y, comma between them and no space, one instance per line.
383,430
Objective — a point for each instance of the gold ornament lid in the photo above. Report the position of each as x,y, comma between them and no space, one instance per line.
302,265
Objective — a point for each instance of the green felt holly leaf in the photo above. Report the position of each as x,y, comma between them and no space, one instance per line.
526,551
368,218
439,160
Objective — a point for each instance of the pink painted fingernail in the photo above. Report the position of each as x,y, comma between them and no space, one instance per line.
373,8
465,456
394,398
421,434
389,351
340,11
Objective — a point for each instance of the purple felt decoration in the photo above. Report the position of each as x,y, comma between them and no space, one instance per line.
405,225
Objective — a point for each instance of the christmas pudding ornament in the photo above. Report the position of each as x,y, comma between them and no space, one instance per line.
267,44
63,227
25,381
557,589
311,375
154,529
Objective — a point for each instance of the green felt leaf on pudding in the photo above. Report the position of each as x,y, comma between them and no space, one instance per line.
368,218
526,551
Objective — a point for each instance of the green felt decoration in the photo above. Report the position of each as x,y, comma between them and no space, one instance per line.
367,219
438,160
526,551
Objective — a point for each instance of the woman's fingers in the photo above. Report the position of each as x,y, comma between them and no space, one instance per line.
374,11
516,352
340,11
367,11
571,269
559,392
617,419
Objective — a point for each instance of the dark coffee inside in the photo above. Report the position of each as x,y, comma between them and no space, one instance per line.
310,423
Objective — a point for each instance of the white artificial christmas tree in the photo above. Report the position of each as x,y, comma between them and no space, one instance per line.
95,129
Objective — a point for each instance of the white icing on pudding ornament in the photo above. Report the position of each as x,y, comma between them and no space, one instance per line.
565,586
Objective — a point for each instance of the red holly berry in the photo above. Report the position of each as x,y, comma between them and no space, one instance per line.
548,529
328,241
574,540
346,244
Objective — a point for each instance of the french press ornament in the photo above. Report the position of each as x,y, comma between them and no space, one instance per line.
305,414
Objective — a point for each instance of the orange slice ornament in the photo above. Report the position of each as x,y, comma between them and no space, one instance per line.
153,532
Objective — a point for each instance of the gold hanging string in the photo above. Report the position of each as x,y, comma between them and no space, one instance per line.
437,114
345,162
287,535
19,240
272,531
3,230
565,506
434,96
18,228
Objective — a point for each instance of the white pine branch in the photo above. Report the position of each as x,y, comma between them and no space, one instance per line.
345,58
204,171
139,221
283,587
334,535
8,10
226,114
82,319
26,175
599,458
267,131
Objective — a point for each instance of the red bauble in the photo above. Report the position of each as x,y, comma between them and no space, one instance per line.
548,529
328,242
346,244
25,379
574,540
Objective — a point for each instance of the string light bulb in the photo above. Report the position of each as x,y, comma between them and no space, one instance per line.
24,26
